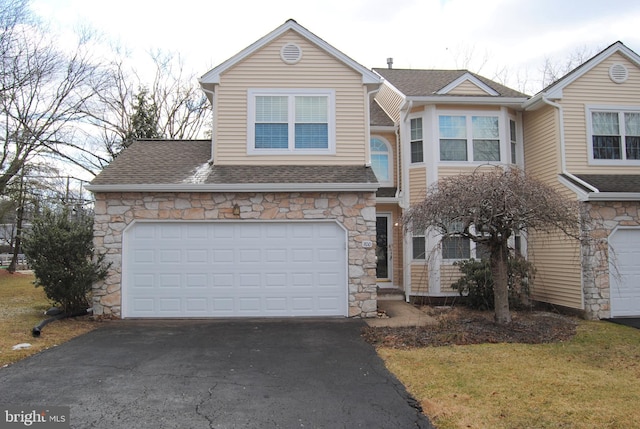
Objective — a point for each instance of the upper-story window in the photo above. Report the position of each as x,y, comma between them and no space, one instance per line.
469,138
417,149
381,160
615,135
513,139
291,121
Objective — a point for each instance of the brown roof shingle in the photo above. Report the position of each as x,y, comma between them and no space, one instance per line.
416,83
174,162
613,182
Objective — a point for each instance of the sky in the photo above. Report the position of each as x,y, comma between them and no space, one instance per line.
490,37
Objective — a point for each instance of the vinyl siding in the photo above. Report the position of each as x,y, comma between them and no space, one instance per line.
558,278
595,88
417,184
449,274
467,88
390,101
419,278
316,69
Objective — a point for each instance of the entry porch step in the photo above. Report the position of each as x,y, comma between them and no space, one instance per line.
390,294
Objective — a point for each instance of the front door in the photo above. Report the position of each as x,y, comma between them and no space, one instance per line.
383,266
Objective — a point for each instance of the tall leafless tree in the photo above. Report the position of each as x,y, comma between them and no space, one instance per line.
488,207
181,107
44,91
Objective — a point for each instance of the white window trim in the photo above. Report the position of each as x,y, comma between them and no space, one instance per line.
502,138
426,249
614,109
390,159
252,93
424,155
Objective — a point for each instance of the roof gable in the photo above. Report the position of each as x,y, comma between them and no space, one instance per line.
554,91
467,84
443,83
211,78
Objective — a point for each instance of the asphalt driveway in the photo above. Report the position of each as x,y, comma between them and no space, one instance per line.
216,374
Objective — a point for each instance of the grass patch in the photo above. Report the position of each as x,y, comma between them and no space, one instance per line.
588,382
21,308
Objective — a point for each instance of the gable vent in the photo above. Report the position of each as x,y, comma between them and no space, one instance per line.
618,73
291,53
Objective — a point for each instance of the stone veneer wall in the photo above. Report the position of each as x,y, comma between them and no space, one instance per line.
602,219
354,210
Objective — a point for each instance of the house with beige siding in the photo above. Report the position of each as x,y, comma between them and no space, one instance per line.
582,135
274,216
294,206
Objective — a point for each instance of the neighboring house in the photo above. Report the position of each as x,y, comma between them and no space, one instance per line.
294,207
582,134
273,217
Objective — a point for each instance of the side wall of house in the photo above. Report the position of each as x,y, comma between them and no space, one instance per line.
316,70
556,257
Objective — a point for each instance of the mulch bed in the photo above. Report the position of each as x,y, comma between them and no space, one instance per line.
462,326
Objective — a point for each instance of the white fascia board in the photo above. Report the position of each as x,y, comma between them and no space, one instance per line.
387,200
213,76
236,187
382,128
613,196
514,102
581,194
471,78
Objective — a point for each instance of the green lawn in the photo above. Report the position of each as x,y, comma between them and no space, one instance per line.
592,381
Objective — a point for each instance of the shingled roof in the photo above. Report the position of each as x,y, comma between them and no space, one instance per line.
415,83
378,117
613,182
184,165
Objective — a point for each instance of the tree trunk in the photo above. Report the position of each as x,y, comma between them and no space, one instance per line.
499,267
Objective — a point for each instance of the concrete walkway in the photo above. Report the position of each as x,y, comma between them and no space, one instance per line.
401,314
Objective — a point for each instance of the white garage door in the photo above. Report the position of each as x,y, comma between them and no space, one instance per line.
624,265
234,269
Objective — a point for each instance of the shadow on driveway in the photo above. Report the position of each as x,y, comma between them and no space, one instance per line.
216,374
634,322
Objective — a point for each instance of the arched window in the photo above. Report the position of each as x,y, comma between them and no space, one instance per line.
381,160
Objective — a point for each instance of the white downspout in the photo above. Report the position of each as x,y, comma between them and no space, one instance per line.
214,124
367,120
563,159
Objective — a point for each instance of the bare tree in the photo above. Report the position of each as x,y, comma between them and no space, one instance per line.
181,107
44,93
488,207
552,70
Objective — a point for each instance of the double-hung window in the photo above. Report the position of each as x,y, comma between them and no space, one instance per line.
615,135
291,121
417,148
469,138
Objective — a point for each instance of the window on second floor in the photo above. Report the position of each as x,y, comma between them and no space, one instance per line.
513,139
381,160
615,135
291,121
469,138
417,149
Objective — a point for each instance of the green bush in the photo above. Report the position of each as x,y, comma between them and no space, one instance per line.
59,248
476,283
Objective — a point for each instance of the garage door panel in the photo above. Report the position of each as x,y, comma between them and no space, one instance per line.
624,267
234,269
